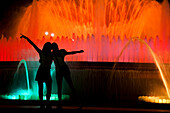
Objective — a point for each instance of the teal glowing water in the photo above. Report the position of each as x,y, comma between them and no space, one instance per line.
26,73
29,93
32,97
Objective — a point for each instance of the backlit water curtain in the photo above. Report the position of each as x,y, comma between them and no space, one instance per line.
104,29
100,27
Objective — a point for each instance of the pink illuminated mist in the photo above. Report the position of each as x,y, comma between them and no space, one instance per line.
100,27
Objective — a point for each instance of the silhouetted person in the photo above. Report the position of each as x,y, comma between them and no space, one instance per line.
62,70
43,73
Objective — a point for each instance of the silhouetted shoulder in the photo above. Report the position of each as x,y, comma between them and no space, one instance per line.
63,50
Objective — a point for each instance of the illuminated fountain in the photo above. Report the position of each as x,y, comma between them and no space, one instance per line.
162,70
93,26
100,27
19,92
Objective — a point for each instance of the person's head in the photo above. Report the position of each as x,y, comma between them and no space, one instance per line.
47,47
55,46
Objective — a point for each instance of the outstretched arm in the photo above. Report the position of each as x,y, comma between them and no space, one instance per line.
36,48
74,52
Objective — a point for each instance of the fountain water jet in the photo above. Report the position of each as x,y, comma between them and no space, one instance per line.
76,24
98,17
26,73
154,57
18,93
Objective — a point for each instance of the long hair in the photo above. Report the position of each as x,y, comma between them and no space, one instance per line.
47,47
55,46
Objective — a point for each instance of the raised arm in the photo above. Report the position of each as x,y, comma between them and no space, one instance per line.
36,48
74,52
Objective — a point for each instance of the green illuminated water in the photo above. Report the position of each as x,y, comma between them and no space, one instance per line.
32,97
26,73
30,92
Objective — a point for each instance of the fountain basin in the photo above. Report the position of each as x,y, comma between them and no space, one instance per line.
155,99
96,83
54,97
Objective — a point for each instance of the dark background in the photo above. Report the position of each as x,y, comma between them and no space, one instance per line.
10,9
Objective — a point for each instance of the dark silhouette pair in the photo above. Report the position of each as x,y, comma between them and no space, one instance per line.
43,73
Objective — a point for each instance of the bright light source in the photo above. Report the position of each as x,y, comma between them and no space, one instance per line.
52,34
72,39
155,99
46,33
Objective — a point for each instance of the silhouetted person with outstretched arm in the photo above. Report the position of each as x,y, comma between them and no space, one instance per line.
43,73
62,70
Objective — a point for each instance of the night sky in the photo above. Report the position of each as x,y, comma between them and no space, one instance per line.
9,9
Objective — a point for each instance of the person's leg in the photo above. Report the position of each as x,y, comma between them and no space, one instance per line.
40,85
48,95
76,98
49,85
59,79
67,77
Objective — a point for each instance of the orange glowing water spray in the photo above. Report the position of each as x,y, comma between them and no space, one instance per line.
155,59
157,64
99,17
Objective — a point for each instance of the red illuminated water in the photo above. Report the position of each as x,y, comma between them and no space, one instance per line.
100,27
104,50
